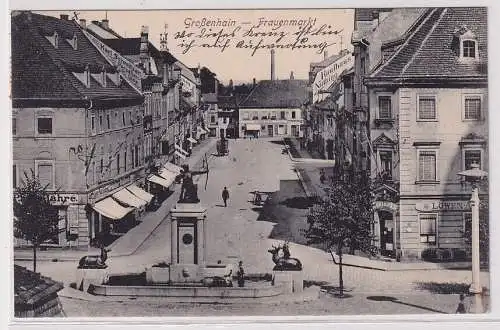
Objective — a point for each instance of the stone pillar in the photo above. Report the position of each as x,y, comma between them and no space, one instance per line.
201,242
173,241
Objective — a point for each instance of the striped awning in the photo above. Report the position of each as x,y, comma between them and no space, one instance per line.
111,209
126,197
159,180
252,127
173,168
142,194
167,175
190,139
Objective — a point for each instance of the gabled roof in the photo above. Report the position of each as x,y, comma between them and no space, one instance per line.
42,72
225,102
383,140
277,94
30,287
430,52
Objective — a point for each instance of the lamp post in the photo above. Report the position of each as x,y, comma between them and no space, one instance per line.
474,175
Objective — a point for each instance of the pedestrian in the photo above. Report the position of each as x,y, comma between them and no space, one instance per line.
461,305
225,196
240,275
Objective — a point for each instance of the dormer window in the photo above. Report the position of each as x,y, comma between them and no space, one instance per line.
73,42
86,76
467,41
56,40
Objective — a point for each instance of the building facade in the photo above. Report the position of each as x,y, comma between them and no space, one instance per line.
274,108
428,121
77,124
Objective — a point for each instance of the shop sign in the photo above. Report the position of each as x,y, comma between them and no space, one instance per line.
63,199
385,205
446,206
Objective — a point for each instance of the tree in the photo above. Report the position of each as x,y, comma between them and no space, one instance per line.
35,219
343,219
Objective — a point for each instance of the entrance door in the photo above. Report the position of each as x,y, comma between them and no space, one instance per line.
270,130
187,244
386,233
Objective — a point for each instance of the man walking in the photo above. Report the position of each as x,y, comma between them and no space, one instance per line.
225,196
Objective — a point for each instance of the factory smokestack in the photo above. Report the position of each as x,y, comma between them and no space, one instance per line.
273,68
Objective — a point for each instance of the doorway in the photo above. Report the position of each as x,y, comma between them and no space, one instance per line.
270,130
386,221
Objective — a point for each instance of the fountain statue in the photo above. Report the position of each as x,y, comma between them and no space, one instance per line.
282,260
189,190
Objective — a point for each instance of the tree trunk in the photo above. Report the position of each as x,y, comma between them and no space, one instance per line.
34,258
341,279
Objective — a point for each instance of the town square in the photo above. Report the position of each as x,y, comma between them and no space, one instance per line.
155,175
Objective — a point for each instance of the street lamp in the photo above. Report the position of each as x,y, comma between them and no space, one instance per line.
474,175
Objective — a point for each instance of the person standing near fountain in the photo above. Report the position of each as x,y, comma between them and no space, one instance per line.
240,275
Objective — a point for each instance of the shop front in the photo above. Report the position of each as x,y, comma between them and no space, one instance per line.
386,219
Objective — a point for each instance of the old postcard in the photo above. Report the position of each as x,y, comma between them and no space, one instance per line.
250,162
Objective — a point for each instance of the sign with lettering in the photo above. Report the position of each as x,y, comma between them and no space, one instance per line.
330,74
131,73
63,199
446,206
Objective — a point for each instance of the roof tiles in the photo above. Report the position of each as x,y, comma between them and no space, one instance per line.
277,94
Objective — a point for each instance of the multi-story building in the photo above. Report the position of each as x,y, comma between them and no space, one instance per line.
227,116
428,121
327,87
78,125
274,108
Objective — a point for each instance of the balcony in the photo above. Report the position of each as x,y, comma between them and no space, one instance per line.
387,122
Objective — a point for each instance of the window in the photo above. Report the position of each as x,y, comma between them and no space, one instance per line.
125,161
469,48
44,125
427,165
92,124
14,176
384,107
14,126
100,123
108,122
101,165
472,156
136,156
427,108
130,118
123,118
467,225
212,119
45,173
293,114
428,234
472,108
118,163
386,164
282,115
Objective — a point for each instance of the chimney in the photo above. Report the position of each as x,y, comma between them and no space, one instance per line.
254,82
83,23
143,52
64,17
105,23
273,74
291,75
325,55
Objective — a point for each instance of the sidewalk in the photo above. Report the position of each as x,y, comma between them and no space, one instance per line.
134,238
309,177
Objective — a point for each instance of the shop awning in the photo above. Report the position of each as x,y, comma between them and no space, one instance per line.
190,139
173,168
126,197
159,180
142,194
167,175
180,150
111,209
253,127
177,153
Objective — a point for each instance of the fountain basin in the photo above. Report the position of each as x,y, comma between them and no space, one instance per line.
187,291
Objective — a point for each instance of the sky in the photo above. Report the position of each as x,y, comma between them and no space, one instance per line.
238,63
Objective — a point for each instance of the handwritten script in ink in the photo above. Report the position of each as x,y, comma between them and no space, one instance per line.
222,34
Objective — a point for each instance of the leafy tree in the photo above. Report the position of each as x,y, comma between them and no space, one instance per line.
36,220
343,220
